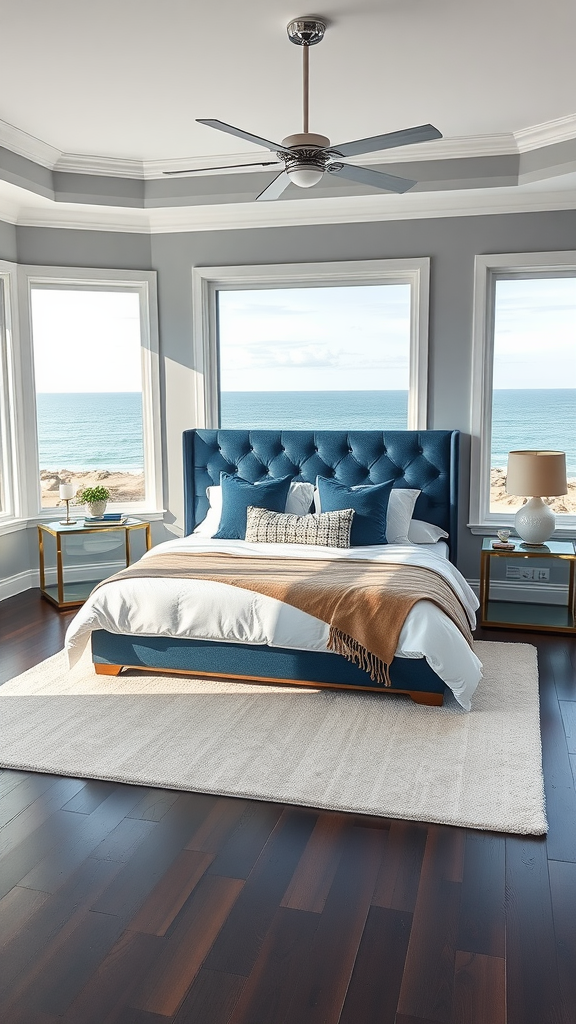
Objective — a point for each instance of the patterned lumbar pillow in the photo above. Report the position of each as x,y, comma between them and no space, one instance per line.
331,529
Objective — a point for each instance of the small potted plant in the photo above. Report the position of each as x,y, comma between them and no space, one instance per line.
94,498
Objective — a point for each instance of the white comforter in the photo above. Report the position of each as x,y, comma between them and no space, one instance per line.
200,609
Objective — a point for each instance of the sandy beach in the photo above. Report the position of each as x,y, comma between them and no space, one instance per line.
122,486
130,487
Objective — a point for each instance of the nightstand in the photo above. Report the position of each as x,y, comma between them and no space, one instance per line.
80,552
528,615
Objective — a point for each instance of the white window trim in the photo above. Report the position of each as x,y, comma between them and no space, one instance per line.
145,284
8,383
207,281
486,271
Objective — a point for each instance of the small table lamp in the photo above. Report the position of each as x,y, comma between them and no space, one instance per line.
536,475
67,491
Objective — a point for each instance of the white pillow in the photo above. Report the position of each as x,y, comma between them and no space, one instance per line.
420,532
298,502
399,514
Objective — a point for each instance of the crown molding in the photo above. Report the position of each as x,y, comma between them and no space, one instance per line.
250,216
549,133
106,166
535,137
28,146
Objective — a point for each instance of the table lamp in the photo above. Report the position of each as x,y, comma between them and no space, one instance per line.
67,491
535,475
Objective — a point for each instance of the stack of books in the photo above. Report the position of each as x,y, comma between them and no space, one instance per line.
109,519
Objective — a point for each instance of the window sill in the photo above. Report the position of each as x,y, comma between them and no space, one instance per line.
49,515
489,529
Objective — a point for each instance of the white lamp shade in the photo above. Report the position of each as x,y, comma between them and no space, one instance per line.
67,491
536,473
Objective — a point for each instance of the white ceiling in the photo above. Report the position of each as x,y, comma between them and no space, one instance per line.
125,79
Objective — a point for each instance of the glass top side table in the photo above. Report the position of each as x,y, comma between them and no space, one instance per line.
67,592
528,615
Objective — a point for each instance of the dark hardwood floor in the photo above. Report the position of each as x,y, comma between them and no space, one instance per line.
126,905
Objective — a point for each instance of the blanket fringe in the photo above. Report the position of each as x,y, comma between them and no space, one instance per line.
353,651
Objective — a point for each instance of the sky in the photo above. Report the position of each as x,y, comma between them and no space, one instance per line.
86,341
301,339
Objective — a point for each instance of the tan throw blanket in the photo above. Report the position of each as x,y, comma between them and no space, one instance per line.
364,603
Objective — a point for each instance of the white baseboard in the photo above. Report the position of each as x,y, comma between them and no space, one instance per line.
10,586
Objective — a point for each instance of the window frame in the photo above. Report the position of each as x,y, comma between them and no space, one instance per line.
208,281
144,283
8,388
488,269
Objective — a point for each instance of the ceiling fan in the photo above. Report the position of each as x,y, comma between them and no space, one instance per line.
307,156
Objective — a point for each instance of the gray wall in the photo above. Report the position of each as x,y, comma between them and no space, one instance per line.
451,243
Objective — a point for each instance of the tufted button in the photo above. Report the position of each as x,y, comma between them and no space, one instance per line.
420,450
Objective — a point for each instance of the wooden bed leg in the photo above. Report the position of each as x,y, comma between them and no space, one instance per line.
430,699
107,670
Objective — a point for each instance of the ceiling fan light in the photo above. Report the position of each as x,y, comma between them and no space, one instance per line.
305,175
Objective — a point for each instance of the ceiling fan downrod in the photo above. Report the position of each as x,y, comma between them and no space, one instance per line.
306,32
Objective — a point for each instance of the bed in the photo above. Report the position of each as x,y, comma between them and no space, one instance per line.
288,646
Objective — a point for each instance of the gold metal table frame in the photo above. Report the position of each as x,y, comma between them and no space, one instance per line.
563,550
63,531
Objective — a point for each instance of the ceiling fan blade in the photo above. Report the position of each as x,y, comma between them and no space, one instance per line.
379,179
276,187
240,134
407,137
225,167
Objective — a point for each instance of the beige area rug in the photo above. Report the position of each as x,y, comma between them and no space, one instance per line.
343,751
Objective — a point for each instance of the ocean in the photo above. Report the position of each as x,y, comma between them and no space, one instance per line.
104,431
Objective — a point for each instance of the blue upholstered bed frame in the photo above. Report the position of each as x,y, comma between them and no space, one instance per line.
426,460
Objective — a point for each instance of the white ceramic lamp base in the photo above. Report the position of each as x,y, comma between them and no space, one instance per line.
535,522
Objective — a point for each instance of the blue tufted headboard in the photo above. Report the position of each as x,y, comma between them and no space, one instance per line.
424,459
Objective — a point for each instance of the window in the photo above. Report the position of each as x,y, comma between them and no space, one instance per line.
94,408
7,426
323,346
524,389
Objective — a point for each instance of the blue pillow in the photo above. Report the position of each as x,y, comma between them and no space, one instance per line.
370,506
238,494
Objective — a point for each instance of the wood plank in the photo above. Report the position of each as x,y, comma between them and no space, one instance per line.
428,979
80,835
241,850
532,980
142,873
372,997
108,991
15,909
168,897
237,947
558,778
322,987
92,794
482,924
399,875
184,950
33,817
49,927
218,826
56,983
278,968
211,999
123,840
563,891
311,882
20,797
479,989
155,804
568,712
